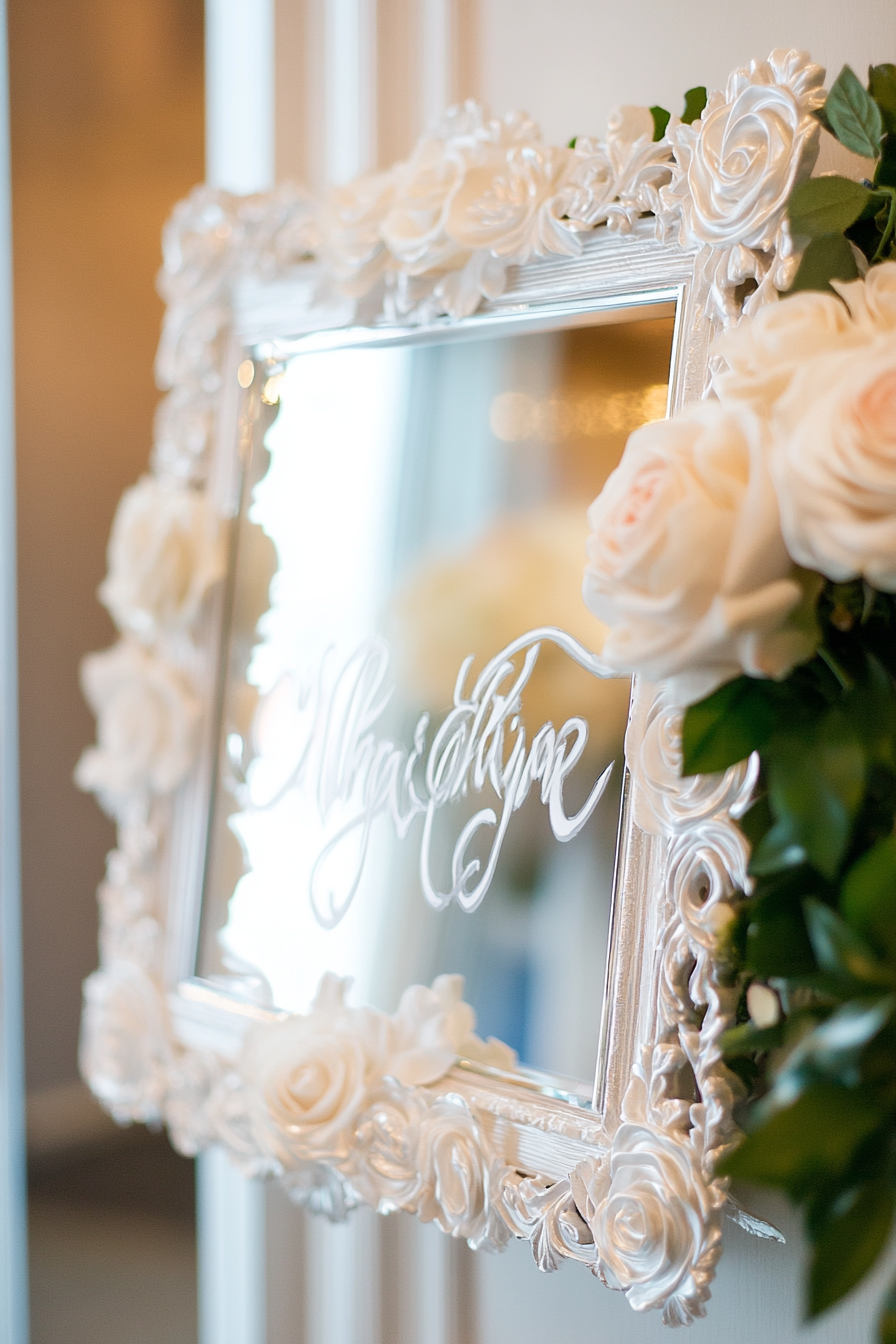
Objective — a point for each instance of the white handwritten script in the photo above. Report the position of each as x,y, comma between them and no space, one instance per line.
354,775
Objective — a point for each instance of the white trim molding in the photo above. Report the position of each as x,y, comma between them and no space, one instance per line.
484,223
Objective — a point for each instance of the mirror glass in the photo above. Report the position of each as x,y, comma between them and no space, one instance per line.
411,779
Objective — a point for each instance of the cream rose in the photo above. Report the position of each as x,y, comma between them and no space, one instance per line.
164,554
742,158
762,353
687,565
871,301
147,719
646,1206
310,1076
308,1079
834,464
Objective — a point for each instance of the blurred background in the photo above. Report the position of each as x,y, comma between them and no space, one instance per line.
107,133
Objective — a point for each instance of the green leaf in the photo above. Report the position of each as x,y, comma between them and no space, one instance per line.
780,848
839,949
828,205
821,116
757,820
572,143
886,1326
816,782
694,103
854,116
885,173
827,258
661,119
849,1242
778,945
728,725
882,87
871,709
813,1139
833,1050
746,1039
868,896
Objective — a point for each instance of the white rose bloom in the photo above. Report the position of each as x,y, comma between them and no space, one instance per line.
384,1162
147,718
164,554
308,1078
763,352
687,565
872,300
351,219
834,464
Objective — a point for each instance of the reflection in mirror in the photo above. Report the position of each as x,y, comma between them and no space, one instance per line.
415,776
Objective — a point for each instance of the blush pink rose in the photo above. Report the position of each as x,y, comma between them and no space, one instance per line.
834,464
686,562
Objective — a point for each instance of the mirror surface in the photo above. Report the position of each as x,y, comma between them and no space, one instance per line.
395,800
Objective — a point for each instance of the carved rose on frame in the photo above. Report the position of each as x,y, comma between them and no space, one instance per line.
164,554
147,718
735,169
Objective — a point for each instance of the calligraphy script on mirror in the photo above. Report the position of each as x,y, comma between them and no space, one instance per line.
335,755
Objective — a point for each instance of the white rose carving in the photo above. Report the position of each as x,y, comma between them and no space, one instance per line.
646,1206
385,1156
147,719
505,206
351,219
668,803
164,554
455,1172
687,565
124,1054
414,228
654,1219
308,1078
738,164
834,464
311,1076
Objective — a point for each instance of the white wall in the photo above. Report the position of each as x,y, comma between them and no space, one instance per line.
569,61
566,62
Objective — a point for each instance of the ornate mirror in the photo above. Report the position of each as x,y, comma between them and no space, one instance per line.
411,904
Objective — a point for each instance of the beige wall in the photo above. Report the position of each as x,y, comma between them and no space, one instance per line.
566,62
107,133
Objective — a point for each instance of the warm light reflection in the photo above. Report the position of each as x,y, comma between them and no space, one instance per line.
515,416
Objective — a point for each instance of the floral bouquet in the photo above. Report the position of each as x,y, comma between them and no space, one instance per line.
745,552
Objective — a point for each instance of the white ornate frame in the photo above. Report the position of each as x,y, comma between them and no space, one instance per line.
483,219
